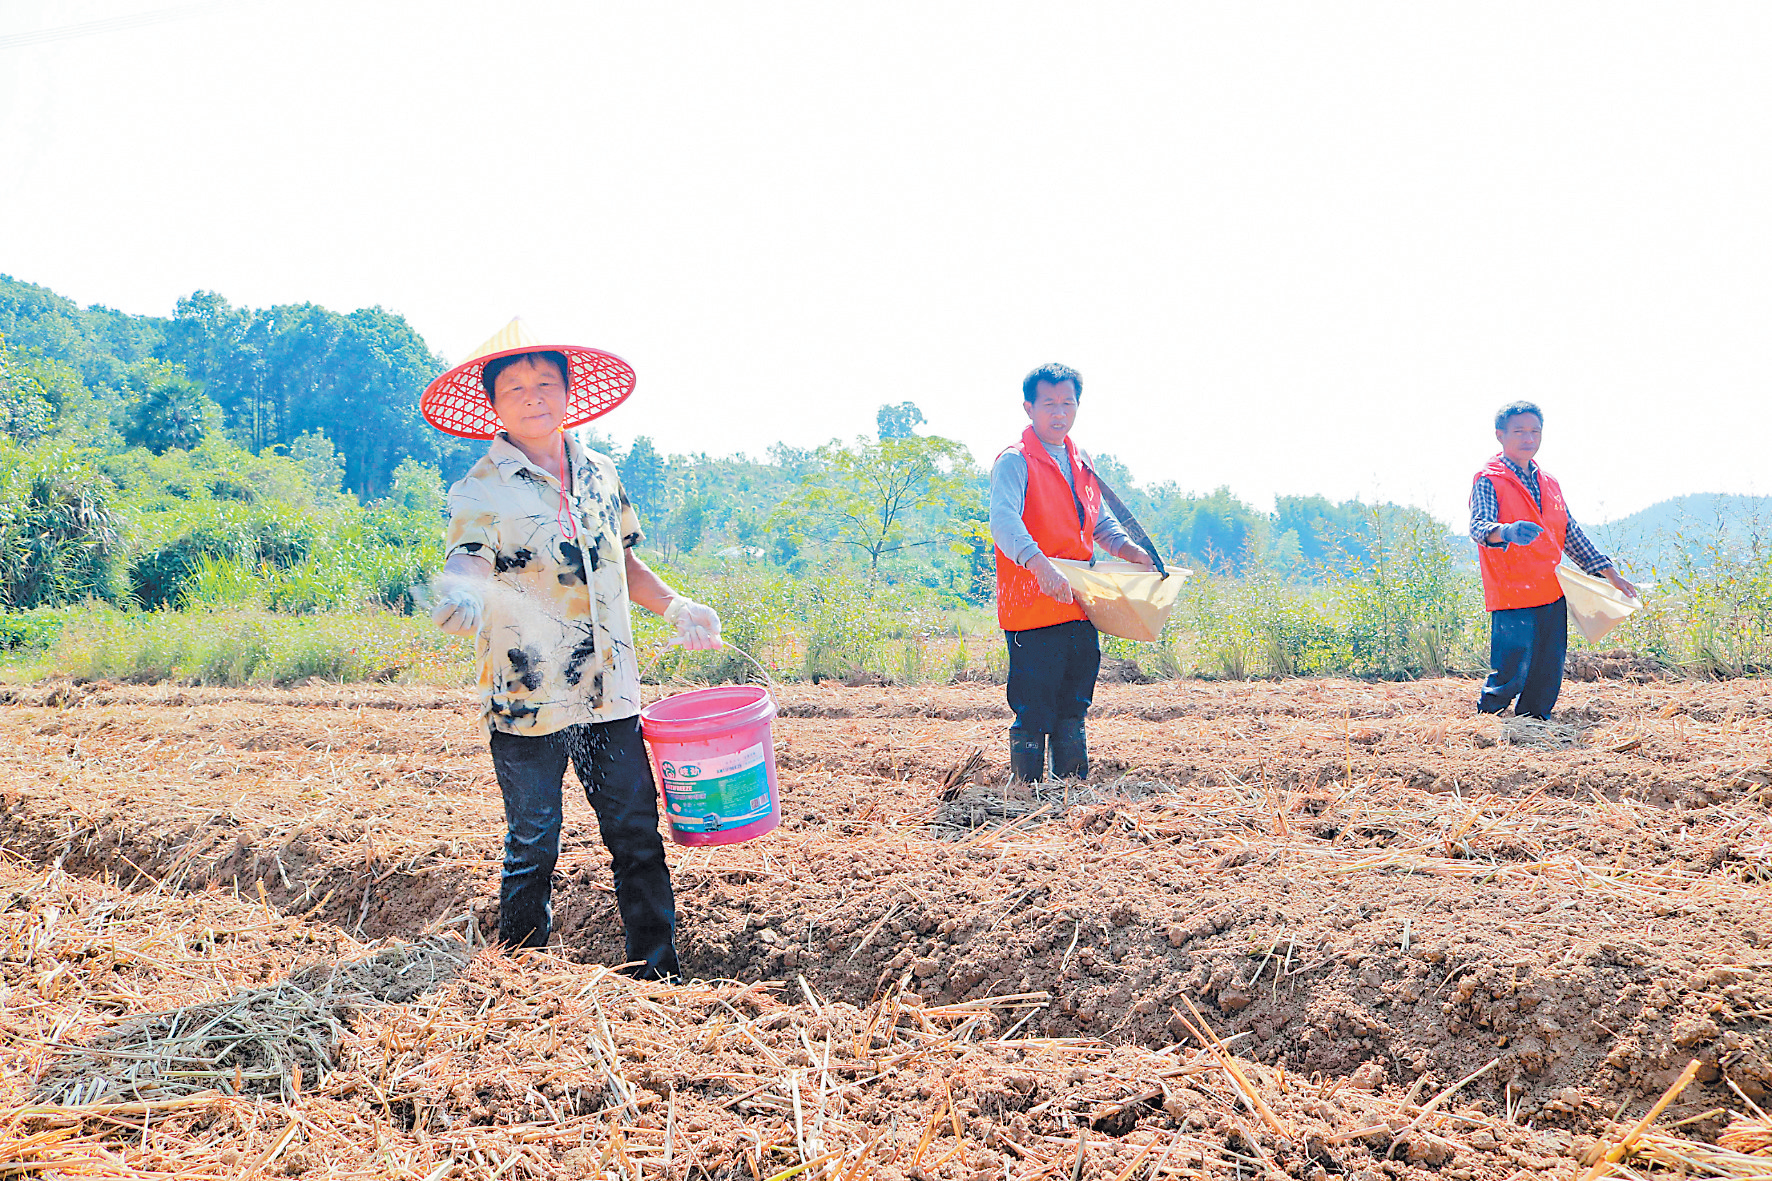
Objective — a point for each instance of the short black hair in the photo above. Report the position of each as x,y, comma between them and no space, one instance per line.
1513,408
496,366
1054,373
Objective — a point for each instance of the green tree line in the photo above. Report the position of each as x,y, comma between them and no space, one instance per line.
156,461
186,461
264,377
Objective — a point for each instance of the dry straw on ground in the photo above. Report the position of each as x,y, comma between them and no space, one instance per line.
262,958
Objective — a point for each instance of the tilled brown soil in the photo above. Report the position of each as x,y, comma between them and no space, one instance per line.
1363,886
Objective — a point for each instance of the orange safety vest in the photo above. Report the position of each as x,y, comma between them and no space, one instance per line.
1523,575
1062,525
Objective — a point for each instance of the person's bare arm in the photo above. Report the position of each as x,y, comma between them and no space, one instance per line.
645,587
467,566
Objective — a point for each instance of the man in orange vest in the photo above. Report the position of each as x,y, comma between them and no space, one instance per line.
1523,527
1045,504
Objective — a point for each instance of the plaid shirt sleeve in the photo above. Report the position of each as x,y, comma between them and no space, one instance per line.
1586,554
1484,509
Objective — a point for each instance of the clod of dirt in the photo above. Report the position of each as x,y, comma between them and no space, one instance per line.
1122,671
1618,665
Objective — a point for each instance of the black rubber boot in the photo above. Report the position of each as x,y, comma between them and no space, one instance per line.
1027,754
1070,750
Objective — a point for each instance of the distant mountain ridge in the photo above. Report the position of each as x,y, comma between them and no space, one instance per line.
1652,538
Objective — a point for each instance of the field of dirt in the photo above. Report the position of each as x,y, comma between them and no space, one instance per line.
1310,929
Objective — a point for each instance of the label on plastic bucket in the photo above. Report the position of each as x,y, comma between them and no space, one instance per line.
711,795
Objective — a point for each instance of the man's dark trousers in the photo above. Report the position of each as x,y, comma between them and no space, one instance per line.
1052,674
611,764
1526,647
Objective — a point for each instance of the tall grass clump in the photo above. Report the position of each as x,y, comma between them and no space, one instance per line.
1712,615
335,579
246,646
190,538
1398,606
224,582
836,623
1405,610
59,536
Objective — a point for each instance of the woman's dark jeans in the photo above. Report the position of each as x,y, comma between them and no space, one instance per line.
611,763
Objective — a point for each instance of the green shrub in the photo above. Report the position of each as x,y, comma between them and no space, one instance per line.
1244,627
222,582
844,619
756,618
27,630
1404,607
1713,617
753,621
251,535
59,539
1399,608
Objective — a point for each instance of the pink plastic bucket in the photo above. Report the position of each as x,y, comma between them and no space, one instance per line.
714,757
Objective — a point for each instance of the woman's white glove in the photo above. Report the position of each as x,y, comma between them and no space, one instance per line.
697,624
459,611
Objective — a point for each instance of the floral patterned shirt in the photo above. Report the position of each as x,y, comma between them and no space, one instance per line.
556,647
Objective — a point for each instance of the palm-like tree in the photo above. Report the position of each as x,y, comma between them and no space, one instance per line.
167,416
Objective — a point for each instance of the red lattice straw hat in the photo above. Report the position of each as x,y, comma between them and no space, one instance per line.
457,401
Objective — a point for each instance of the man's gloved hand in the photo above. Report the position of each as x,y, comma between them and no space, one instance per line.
697,624
1051,581
1521,532
459,610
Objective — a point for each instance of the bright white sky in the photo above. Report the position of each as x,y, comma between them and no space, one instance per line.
1293,248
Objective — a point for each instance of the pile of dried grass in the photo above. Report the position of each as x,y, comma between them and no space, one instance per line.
263,1041
1750,1135
1540,733
965,807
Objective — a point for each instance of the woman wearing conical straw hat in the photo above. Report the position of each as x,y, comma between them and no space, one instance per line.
540,567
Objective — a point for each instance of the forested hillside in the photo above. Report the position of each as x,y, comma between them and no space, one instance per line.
194,423
260,483
265,376
1669,532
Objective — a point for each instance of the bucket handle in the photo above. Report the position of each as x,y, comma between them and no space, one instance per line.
768,681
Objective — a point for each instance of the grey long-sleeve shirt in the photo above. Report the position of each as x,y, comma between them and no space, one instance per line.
1009,495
